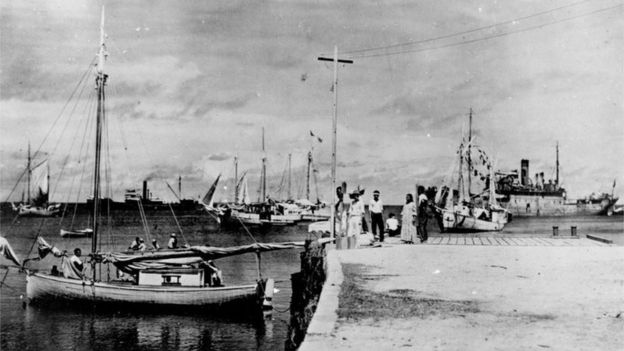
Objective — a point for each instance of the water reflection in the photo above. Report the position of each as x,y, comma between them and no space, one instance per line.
75,329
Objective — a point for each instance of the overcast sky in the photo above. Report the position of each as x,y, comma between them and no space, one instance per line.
192,83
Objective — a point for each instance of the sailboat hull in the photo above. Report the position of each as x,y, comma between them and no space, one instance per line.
454,221
44,287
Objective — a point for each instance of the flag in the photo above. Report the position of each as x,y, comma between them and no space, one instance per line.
317,137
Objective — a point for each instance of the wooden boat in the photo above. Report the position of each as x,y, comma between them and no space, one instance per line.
464,213
38,185
167,278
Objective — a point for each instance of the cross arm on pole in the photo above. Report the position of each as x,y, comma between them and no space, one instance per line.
331,59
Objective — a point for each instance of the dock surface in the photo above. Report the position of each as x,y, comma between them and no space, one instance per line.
473,293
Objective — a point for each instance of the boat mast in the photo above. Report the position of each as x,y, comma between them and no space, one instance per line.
263,193
235,179
468,151
289,176
308,175
29,173
47,197
557,167
100,82
460,179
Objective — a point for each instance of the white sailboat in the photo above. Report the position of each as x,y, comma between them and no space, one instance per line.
166,278
464,213
38,190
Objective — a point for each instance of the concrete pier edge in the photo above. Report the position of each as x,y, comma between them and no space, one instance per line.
326,314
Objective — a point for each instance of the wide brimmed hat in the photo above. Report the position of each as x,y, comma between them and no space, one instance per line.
173,234
357,192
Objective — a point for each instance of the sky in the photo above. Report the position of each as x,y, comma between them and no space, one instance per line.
193,83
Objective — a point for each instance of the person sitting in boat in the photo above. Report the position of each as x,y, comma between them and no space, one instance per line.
155,245
142,246
212,273
73,268
135,244
173,242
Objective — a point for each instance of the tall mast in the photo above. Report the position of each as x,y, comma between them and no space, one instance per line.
308,175
334,135
29,173
100,82
235,179
47,198
263,193
180,187
289,176
460,179
468,151
557,174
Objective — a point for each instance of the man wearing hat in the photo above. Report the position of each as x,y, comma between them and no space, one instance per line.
376,212
173,242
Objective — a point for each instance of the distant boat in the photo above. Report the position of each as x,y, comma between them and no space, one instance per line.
462,211
525,197
179,277
38,189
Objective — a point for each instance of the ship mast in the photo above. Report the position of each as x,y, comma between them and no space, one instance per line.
263,193
557,174
468,152
29,173
308,175
100,82
289,176
235,179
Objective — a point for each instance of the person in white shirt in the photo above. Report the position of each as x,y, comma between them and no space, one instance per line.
77,267
142,246
173,242
356,211
376,212
423,203
392,225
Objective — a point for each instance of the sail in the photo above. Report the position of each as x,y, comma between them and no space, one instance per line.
207,200
243,192
132,263
39,186
7,251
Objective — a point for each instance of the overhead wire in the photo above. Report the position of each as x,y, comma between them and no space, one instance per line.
446,36
526,29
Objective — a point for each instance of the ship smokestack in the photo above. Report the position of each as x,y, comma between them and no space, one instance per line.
145,197
524,172
542,182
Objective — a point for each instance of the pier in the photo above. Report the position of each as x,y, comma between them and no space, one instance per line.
468,292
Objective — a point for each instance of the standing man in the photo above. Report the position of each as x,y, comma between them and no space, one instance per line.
173,242
376,212
423,216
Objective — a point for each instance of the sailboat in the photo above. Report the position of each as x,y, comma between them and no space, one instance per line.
462,211
37,204
266,211
176,277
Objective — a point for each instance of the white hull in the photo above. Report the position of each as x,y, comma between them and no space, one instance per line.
82,233
457,221
42,287
254,219
50,211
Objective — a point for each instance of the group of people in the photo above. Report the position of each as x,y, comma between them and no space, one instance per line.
414,216
139,244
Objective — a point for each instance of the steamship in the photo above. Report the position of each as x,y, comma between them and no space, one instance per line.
523,197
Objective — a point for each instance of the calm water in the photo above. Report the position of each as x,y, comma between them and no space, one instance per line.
41,328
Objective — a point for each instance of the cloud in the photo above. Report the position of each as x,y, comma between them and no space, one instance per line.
219,157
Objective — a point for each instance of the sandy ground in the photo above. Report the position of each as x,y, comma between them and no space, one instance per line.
445,297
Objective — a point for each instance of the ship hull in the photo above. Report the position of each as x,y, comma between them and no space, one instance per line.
455,221
536,205
43,287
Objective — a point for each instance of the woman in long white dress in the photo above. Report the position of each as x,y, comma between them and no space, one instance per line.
408,220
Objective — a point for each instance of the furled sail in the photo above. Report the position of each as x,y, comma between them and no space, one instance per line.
132,263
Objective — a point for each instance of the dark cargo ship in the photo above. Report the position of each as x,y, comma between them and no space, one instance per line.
525,198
